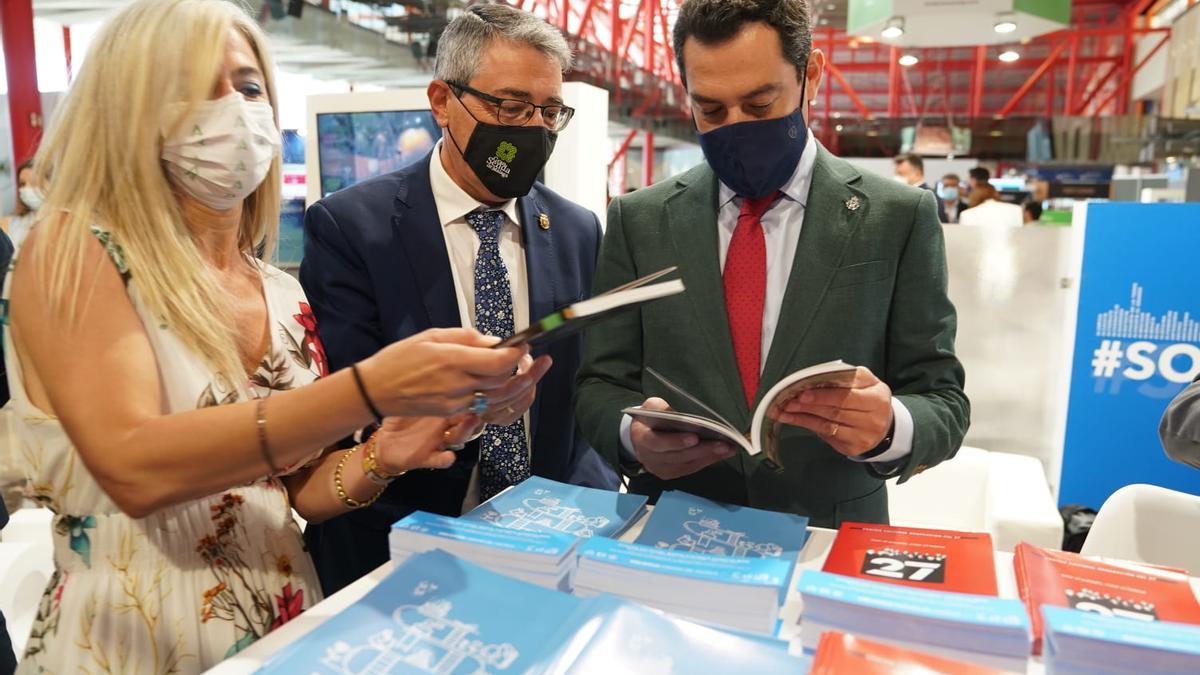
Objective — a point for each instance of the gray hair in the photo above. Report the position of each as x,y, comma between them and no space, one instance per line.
461,46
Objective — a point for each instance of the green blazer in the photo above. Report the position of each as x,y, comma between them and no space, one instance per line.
868,285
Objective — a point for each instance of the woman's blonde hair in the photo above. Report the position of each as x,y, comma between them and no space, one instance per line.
100,165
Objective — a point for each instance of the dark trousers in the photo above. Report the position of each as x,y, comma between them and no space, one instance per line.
8,661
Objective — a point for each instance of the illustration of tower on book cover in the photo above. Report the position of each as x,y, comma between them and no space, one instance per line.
538,514
425,638
707,536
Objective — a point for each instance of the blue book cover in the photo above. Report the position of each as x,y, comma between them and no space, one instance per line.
1163,636
553,545
437,614
625,637
685,522
541,505
769,572
963,608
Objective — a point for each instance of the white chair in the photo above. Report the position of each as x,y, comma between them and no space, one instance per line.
1003,494
1149,524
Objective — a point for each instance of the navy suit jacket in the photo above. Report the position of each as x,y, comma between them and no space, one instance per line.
376,270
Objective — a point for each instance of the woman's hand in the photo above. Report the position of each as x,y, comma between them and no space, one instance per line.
409,443
438,372
509,404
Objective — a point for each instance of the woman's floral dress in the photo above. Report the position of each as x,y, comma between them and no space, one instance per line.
192,584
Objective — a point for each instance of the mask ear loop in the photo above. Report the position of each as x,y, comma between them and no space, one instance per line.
464,107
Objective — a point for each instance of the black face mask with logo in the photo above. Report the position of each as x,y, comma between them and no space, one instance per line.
507,160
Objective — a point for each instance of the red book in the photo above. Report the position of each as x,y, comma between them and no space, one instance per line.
1065,579
937,560
841,654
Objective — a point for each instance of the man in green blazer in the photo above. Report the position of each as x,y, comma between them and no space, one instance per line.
791,257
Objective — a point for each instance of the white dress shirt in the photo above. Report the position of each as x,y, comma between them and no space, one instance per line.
993,213
462,245
781,226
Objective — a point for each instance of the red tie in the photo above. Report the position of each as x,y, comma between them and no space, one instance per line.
746,290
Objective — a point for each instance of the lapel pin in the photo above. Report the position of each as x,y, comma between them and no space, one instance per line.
543,221
853,203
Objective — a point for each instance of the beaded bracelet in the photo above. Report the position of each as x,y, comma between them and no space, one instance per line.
347,500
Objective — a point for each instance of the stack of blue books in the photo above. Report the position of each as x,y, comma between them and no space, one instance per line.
739,593
542,558
978,629
1079,643
542,505
628,638
439,614
685,522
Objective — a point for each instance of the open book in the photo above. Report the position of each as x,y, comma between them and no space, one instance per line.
574,318
764,431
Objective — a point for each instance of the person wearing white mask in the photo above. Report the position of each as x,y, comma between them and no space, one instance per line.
169,388
29,200
950,191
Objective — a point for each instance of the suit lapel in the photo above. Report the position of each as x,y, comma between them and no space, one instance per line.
420,234
835,208
692,221
540,260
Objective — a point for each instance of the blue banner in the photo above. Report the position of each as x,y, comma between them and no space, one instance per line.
1137,344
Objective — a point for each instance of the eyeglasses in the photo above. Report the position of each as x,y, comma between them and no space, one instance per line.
516,113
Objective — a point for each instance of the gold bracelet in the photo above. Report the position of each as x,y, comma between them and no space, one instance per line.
370,464
347,500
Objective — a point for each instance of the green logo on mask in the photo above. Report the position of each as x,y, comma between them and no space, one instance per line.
506,152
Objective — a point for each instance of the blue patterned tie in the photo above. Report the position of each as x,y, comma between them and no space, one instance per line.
503,454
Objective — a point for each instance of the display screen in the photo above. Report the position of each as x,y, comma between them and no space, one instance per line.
355,146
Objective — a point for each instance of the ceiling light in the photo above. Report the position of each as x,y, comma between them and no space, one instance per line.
893,29
838,127
1008,56
909,60
1005,23
997,133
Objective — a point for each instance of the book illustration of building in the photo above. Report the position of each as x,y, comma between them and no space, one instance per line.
707,536
426,638
547,514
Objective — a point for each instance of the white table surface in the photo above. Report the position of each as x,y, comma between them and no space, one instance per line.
811,558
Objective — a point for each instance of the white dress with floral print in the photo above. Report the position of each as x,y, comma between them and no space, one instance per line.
184,588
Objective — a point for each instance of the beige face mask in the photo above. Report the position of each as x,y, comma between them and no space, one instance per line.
223,150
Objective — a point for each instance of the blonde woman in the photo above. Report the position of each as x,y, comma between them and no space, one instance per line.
167,385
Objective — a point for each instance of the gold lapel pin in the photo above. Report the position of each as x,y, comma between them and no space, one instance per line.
853,203
543,221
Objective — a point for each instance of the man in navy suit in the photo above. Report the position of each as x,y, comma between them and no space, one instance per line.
464,237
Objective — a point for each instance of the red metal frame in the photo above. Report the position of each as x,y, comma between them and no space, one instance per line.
1087,69
24,101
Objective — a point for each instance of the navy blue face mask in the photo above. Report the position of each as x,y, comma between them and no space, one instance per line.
755,159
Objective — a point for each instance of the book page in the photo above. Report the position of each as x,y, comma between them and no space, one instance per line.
764,433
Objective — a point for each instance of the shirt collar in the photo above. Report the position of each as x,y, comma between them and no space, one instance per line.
796,188
453,203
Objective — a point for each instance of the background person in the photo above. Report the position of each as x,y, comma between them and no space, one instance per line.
165,382
910,169
952,194
977,178
29,200
987,210
1032,211
860,260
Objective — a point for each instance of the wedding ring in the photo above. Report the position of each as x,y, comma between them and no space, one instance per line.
836,428
479,404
